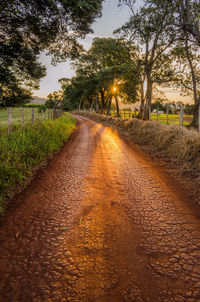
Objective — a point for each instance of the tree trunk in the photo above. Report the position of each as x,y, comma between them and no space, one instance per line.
141,113
148,97
79,106
117,105
91,104
194,84
195,121
109,105
97,104
102,100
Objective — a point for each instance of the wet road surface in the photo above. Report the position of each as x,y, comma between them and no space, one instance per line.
99,224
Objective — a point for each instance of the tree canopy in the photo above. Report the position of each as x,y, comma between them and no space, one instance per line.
109,62
28,27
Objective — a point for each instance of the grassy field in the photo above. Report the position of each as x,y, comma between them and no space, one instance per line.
173,118
25,149
17,115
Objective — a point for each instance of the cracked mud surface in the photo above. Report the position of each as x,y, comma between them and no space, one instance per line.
99,224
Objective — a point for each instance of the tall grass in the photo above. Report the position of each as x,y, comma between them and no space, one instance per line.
26,148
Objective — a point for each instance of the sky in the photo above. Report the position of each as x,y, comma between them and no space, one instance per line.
112,18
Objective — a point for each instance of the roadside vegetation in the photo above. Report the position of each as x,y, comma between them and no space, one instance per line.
23,151
174,142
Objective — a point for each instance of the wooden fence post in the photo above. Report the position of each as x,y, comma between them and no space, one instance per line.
167,114
23,118
9,120
199,118
149,113
181,116
33,115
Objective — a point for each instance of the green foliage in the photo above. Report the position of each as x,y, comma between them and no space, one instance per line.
28,27
158,105
19,73
189,109
27,148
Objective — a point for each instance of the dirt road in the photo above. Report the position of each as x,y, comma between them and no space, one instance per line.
99,224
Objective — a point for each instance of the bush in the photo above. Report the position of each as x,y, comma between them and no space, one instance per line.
26,148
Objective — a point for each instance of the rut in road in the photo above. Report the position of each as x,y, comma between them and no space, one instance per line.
99,224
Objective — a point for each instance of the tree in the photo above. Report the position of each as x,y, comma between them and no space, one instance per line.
186,15
28,27
187,56
18,75
186,20
54,99
108,62
153,30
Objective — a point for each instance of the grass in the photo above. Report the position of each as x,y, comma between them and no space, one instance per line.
25,149
173,119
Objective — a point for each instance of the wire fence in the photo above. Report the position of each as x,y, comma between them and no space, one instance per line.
11,117
181,119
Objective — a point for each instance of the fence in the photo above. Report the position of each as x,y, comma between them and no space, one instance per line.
163,118
124,114
21,116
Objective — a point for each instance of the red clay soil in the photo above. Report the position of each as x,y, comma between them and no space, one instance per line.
100,223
